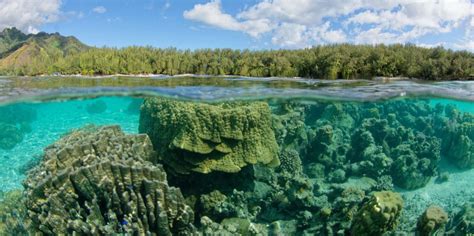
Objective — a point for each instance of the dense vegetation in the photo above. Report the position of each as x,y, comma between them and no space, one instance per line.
331,62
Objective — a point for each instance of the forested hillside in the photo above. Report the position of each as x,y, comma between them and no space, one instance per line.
52,53
23,54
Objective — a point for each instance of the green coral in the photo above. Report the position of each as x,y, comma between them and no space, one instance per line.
409,156
415,162
460,150
209,137
290,162
378,215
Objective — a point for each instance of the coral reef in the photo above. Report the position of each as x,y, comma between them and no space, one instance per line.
134,106
12,214
461,148
432,221
96,107
380,214
10,136
254,168
17,114
14,124
290,162
209,137
101,181
463,222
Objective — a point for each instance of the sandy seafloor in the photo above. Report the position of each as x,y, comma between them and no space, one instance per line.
55,119
59,117
450,195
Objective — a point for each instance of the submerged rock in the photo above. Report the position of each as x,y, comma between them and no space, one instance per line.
17,114
209,137
101,181
10,136
96,107
379,215
432,221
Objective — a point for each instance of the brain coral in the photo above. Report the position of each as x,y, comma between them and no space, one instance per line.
99,181
210,137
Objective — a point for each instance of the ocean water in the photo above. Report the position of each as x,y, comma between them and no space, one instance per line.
248,156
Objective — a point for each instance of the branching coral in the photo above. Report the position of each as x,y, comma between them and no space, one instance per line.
210,137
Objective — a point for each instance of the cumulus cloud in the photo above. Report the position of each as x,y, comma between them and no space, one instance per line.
212,14
99,9
299,23
28,15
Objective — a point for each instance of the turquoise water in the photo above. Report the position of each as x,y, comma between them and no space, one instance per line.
237,159
54,119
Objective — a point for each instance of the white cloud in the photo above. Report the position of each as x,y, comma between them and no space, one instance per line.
290,35
431,45
211,14
99,9
299,23
28,15
324,34
467,44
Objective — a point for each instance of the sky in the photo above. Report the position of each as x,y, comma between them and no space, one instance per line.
252,24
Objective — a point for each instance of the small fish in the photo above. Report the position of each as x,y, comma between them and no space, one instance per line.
123,222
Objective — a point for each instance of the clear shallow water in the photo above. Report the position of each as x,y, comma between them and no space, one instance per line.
337,143
54,119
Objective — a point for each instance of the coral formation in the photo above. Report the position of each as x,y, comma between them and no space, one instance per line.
378,215
134,106
432,221
17,114
12,214
290,162
101,181
338,164
209,137
10,136
96,107
460,148
14,124
463,222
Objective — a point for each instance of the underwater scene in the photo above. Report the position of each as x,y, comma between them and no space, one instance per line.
235,156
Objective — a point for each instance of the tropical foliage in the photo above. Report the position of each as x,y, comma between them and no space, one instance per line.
341,61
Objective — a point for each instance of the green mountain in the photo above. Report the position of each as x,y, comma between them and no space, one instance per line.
21,53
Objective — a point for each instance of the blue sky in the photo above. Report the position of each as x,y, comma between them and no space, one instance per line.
253,24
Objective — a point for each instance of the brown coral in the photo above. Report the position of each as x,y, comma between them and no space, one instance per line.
432,221
380,214
98,181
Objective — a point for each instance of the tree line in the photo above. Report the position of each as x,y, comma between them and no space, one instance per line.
343,61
